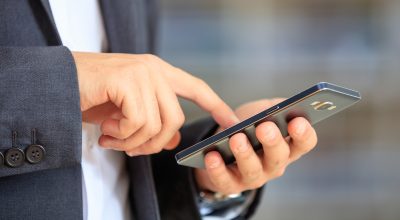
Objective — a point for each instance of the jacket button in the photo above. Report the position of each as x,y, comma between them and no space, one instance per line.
35,153
14,157
1,159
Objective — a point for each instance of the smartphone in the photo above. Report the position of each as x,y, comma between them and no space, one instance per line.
315,104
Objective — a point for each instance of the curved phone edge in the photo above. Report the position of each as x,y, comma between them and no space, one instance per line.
187,152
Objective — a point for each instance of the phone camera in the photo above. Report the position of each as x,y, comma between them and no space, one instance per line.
320,106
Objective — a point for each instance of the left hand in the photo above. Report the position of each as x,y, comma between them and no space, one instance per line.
252,170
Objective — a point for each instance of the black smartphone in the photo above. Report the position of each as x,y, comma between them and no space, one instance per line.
315,104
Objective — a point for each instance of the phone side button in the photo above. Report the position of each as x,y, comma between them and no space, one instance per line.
276,107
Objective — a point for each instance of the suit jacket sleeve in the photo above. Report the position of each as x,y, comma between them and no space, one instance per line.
39,90
175,184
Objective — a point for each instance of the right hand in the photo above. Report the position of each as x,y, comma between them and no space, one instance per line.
134,99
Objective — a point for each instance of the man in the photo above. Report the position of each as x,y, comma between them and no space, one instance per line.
127,101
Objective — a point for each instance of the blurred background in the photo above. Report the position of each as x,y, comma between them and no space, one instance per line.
249,50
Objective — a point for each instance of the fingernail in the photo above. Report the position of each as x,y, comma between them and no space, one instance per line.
270,134
235,119
214,162
104,144
242,146
300,129
104,130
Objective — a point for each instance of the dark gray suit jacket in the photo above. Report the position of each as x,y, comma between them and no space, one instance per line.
39,90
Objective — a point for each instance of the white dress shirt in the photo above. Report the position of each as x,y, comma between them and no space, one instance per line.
105,179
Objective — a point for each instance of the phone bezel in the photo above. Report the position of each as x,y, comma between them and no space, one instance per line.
208,142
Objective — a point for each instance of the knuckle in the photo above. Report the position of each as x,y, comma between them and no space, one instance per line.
124,133
127,148
247,155
278,163
251,175
294,158
179,70
231,191
259,183
154,149
139,122
117,145
202,84
123,147
127,71
223,184
127,145
180,119
123,88
131,153
127,130
131,143
155,129
149,57
138,67
304,150
177,122
152,130
279,172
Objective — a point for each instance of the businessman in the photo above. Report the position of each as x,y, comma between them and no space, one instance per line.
90,121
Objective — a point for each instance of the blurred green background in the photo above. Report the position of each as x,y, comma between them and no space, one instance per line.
249,50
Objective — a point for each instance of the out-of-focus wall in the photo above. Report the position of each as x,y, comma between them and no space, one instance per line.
256,49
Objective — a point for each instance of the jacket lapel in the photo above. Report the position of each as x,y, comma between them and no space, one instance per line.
127,31
130,24
143,196
126,25
53,28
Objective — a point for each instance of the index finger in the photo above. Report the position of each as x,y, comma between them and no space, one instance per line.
196,90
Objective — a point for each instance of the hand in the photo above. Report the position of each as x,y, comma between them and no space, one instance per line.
134,99
253,170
